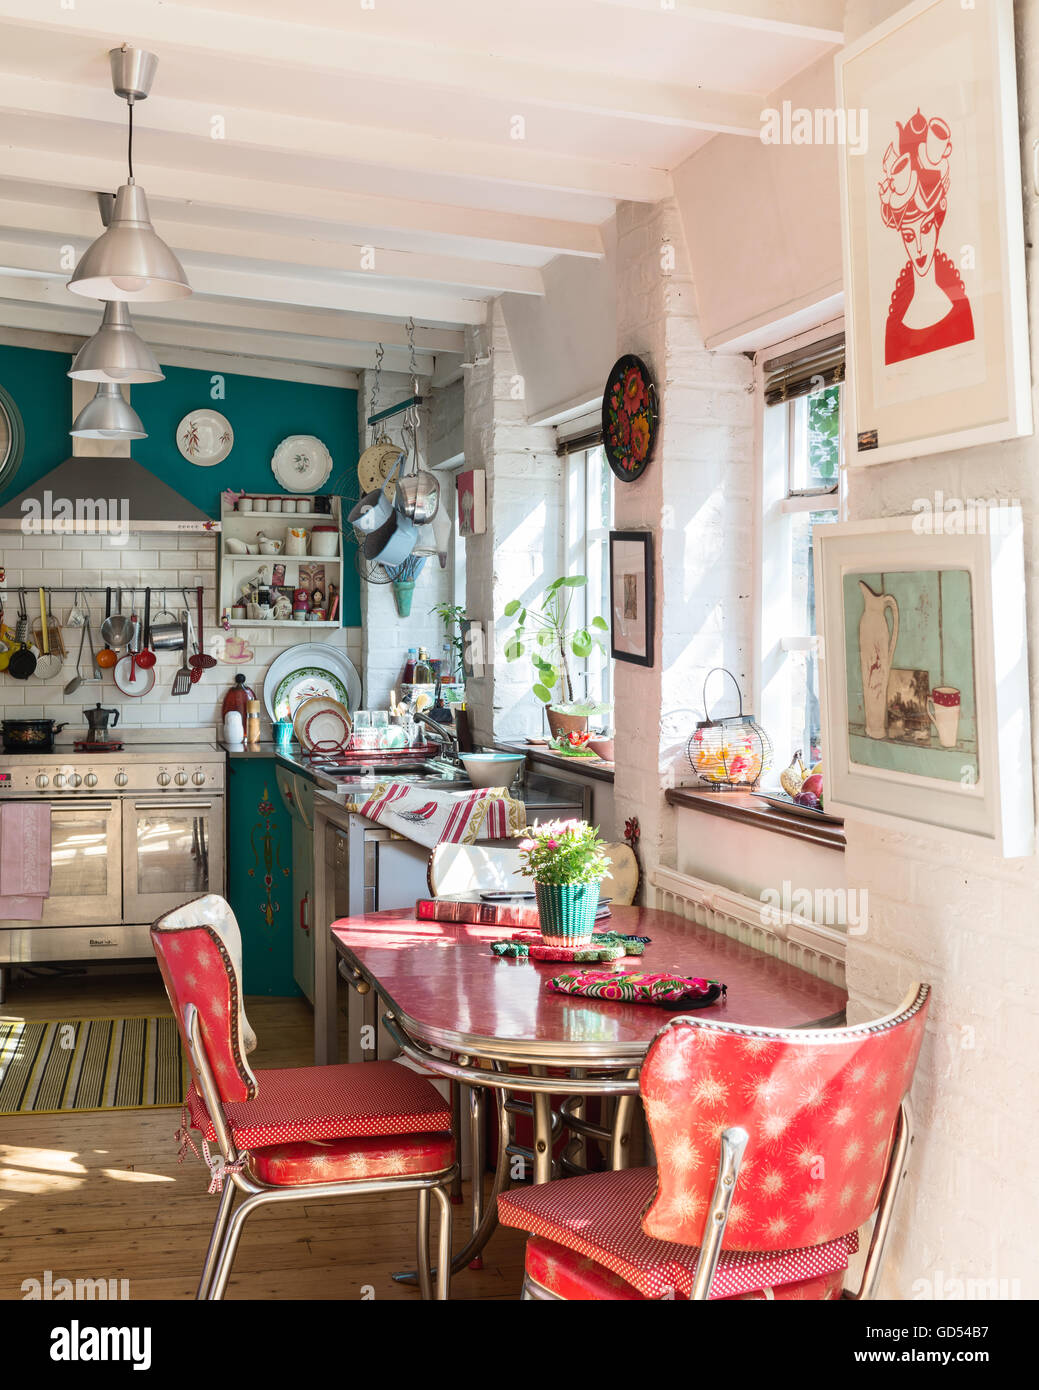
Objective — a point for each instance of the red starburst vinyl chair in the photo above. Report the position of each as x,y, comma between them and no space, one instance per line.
306,1133
773,1147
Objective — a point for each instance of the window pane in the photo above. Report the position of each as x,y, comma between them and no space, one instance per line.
816,456
803,665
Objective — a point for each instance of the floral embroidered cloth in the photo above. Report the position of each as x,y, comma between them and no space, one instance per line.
606,945
633,987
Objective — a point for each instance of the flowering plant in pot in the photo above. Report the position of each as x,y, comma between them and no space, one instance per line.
567,863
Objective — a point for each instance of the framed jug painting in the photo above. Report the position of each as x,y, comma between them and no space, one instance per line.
924,675
933,240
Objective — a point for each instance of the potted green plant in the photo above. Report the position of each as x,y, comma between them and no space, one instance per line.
452,615
566,861
544,633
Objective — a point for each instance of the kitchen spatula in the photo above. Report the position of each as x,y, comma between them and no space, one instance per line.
182,680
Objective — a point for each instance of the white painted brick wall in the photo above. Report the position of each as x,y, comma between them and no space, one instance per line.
695,498
965,922
156,560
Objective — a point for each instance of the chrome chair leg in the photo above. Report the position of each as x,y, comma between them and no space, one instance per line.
216,1239
456,1130
444,1244
229,1248
425,1279
620,1141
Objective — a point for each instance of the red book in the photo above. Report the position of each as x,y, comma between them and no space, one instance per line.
471,908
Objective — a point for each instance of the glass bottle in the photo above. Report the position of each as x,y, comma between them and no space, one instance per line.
423,671
409,667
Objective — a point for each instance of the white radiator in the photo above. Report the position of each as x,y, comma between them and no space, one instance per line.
817,949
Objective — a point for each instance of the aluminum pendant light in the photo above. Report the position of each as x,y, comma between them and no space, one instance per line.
108,416
115,352
129,260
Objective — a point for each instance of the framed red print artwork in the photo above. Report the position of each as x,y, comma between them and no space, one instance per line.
630,416
934,273
472,502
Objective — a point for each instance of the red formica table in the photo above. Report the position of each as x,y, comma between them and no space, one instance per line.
443,988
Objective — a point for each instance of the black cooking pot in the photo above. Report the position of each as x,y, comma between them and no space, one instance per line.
30,735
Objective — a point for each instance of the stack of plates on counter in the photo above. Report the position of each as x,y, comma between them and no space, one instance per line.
309,671
322,724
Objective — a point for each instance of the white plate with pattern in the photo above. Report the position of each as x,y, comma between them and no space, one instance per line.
301,463
205,438
304,672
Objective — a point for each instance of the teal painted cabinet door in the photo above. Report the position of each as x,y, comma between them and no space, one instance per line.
259,875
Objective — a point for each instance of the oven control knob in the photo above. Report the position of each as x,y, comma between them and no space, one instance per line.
199,779
121,779
163,779
42,780
74,779
181,779
91,779
59,779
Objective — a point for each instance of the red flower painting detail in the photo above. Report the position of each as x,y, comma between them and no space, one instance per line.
929,308
629,418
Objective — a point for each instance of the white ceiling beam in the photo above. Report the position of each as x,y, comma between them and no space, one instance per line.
502,160
317,253
352,54
822,20
259,334
166,339
192,187
281,289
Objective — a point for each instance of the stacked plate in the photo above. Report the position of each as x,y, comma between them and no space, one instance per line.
312,669
322,725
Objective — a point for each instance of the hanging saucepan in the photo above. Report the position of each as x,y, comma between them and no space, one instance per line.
29,735
375,508
421,493
23,662
167,633
393,542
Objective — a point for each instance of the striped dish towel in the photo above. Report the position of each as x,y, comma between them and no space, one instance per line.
25,860
433,817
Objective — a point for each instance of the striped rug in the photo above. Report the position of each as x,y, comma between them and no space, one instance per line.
74,1064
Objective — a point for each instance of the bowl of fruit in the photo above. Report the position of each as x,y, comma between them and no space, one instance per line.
802,790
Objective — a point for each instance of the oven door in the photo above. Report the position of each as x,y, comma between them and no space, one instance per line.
173,850
86,878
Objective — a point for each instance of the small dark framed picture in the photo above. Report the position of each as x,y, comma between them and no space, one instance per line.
631,596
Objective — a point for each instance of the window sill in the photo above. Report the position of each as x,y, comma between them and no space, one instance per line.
749,809
580,767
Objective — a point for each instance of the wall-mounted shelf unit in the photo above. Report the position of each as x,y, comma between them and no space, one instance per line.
236,570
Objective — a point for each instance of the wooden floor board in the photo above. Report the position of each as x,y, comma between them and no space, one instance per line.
101,1195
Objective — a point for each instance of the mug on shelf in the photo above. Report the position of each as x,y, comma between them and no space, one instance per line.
943,710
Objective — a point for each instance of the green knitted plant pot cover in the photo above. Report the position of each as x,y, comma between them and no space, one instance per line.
566,912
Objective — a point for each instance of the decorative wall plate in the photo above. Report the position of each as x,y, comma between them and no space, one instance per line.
630,416
301,463
310,669
205,437
12,438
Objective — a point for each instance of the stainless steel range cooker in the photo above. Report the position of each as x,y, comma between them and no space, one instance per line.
133,833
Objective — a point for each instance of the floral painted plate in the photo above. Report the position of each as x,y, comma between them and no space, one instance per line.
301,463
308,670
630,416
205,437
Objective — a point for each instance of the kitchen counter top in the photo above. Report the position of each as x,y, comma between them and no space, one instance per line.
541,753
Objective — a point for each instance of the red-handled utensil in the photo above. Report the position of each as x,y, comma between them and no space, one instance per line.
201,661
146,658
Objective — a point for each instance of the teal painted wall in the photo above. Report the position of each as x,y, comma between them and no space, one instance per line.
259,875
261,411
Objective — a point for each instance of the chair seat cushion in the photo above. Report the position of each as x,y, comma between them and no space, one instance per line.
355,1100
579,1279
351,1160
599,1216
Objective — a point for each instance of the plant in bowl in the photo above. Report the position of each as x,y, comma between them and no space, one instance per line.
545,633
567,863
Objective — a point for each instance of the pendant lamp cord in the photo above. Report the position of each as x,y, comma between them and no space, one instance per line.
129,142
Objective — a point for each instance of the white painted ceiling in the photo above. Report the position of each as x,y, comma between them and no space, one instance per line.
382,129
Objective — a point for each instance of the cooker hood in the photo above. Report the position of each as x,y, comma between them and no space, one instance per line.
89,495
